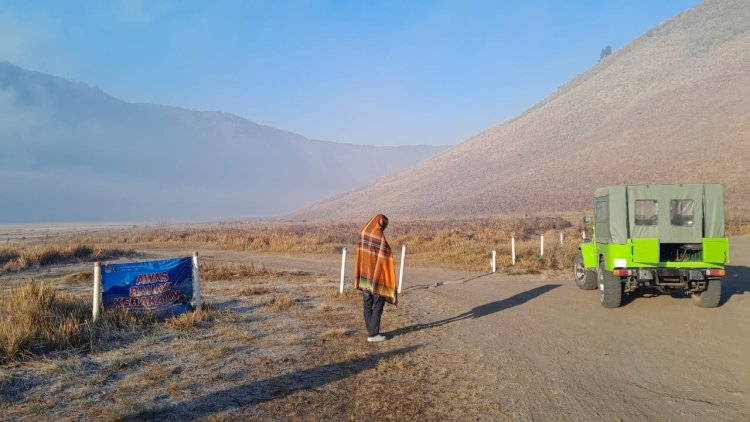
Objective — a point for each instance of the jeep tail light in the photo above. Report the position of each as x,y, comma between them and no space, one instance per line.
715,273
622,273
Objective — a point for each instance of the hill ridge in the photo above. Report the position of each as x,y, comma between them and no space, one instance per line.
646,114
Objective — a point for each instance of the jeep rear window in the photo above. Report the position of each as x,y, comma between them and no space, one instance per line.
682,212
646,212
602,211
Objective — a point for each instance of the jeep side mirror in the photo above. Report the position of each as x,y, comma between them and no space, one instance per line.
586,221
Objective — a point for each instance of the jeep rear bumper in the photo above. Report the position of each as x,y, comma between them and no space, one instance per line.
690,279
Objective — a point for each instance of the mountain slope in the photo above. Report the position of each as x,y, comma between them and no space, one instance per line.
671,107
71,152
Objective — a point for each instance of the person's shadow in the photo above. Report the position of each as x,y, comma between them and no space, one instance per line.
480,311
261,391
442,283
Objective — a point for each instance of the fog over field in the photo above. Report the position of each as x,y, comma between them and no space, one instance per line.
70,152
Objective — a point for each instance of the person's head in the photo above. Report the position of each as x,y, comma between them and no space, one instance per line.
377,222
384,223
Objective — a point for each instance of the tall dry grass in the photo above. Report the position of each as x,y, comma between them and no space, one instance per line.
21,256
251,237
737,222
211,271
455,243
468,244
458,243
36,319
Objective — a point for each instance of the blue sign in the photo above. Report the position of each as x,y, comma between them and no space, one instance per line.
161,287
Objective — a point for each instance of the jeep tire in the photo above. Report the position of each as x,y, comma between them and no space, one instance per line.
710,297
610,288
585,279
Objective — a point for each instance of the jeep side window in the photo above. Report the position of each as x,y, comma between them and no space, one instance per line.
602,211
682,212
646,212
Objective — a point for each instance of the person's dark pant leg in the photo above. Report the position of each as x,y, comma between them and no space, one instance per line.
377,312
369,299
373,311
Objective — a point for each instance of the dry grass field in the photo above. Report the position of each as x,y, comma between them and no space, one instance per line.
461,244
464,244
270,344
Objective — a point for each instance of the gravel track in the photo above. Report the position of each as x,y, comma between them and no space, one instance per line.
546,350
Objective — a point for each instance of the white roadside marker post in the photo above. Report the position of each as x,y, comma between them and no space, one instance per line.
513,250
561,238
97,291
541,242
343,269
401,270
196,283
494,262
583,234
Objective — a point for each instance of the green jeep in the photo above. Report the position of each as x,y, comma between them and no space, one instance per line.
659,236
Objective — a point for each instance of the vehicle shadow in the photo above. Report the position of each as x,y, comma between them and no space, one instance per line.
736,282
261,391
480,311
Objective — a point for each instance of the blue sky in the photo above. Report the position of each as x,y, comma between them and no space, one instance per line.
373,72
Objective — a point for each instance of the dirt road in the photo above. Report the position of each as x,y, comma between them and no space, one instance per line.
545,350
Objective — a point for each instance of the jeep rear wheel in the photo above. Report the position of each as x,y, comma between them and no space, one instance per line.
710,297
610,288
585,279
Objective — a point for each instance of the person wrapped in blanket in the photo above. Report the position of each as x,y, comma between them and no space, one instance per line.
374,274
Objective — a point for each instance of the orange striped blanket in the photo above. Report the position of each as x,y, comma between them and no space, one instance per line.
374,270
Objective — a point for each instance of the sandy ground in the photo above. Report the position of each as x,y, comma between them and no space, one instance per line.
549,351
538,348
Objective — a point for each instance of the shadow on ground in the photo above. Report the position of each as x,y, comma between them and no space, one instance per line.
480,311
266,390
442,283
736,282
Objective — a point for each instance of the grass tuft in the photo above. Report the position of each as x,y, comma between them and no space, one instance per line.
83,277
281,302
254,291
119,363
212,271
189,321
336,333
350,295
5,377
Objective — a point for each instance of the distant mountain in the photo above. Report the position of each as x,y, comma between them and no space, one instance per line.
671,107
71,152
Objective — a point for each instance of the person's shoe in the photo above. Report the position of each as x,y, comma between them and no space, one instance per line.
376,338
